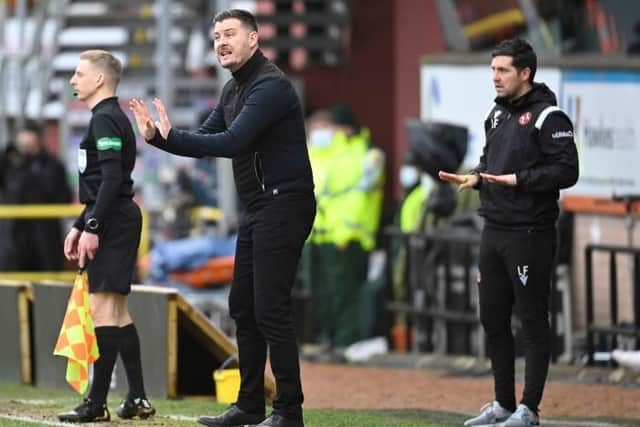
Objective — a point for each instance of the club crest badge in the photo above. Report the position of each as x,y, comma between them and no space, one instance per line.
525,118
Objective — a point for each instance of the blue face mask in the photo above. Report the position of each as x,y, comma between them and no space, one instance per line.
321,138
408,176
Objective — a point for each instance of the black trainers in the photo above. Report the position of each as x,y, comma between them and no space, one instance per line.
139,407
232,417
88,411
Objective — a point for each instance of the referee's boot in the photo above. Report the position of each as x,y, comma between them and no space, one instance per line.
139,407
87,412
232,417
276,420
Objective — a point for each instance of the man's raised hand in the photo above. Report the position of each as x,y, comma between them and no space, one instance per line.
164,124
146,126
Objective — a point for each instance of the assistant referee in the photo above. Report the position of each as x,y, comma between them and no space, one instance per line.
108,234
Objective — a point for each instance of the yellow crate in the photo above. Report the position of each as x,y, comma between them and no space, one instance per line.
227,385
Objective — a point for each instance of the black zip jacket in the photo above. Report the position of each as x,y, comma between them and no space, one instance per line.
260,125
534,139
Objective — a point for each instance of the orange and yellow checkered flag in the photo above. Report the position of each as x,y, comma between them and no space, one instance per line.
77,339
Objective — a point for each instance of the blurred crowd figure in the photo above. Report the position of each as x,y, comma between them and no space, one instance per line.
29,174
346,254
349,184
427,203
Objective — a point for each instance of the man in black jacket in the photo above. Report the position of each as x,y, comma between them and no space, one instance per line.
529,155
29,174
260,125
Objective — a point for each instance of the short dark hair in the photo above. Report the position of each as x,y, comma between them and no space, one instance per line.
33,127
247,19
522,53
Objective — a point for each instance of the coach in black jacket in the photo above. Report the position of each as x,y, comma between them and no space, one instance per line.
260,125
529,155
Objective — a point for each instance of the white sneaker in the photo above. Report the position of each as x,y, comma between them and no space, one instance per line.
490,414
523,417
627,359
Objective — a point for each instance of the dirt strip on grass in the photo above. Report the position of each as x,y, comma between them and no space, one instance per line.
354,387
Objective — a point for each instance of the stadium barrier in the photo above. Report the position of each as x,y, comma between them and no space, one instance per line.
609,335
440,279
441,308
57,211
15,357
180,347
200,215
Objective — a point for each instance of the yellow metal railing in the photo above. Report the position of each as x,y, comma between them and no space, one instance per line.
39,211
201,215
494,22
207,213
58,211
53,211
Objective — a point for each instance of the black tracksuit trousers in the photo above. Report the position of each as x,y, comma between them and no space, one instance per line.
515,269
272,232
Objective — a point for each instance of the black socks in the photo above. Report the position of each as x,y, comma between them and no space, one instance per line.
108,338
111,341
130,354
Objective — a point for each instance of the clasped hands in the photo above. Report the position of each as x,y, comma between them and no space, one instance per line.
80,245
146,126
469,181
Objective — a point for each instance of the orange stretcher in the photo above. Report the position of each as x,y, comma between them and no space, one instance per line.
216,272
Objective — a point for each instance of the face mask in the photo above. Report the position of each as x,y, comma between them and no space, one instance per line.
408,176
321,138
20,148
426,182
24,150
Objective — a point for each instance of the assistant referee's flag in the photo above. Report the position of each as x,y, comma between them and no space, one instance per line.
77,339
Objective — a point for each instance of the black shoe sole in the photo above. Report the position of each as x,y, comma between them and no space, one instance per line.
222,425
83,420
142,416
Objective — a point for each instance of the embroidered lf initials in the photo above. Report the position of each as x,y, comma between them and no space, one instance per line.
522,274
494,120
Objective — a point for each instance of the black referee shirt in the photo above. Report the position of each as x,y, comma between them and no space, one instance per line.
106,158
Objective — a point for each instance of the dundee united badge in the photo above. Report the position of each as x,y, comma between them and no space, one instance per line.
525,118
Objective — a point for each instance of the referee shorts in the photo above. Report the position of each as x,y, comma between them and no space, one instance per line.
113,267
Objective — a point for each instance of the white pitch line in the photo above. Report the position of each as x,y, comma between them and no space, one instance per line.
581,423
177,417
59,424
186,418
35,401
34,420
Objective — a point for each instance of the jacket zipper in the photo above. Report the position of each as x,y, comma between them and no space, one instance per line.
257,168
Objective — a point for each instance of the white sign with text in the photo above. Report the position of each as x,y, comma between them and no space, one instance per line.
463,95
603,107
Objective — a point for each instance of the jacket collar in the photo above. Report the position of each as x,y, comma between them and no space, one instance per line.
538,93
243,73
